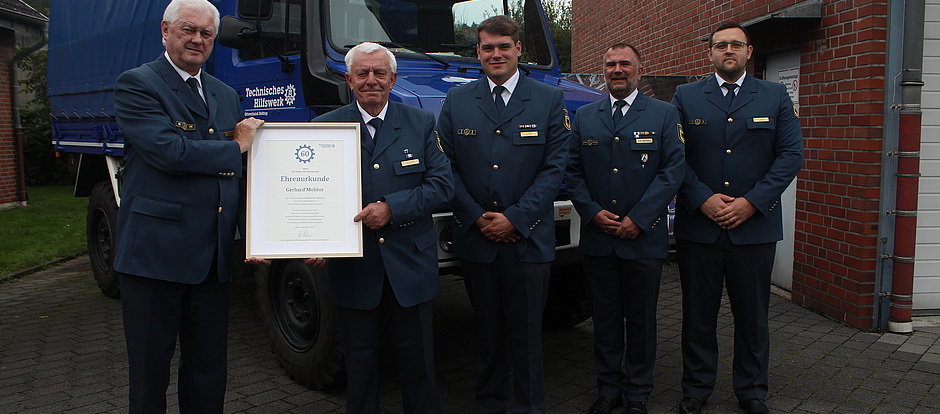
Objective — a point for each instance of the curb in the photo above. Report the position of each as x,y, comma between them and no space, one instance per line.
9,277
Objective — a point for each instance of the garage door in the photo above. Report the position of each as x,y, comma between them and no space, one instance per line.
927,254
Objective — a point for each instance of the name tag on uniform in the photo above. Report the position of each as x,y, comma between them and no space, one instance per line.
230,133
762,119
526,134
184,126
644,140
408,163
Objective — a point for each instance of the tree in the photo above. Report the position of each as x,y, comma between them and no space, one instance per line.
42,167
558,16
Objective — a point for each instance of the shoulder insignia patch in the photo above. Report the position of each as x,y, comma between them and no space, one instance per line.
796,112
567,120
438,137
679,130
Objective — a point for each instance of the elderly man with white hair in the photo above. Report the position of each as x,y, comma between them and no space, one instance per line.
405,178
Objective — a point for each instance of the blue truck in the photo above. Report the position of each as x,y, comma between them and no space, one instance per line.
285,60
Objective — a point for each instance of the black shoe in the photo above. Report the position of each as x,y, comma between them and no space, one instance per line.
690,405
753,406
605,405
636,407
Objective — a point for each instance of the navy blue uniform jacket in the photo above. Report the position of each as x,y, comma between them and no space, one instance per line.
631,170
404,167
181,195
752,151
513,164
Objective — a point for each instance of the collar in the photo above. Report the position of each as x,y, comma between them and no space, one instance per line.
510,83
183,74
365,115
739,82
630,98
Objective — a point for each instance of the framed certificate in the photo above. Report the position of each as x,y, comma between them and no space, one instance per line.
304,189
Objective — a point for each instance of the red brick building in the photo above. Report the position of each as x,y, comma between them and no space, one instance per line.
843,56
16,19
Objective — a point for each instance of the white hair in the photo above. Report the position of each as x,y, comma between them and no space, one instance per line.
367,48
172,12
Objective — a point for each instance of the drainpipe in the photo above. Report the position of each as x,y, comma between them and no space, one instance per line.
20,162
909,126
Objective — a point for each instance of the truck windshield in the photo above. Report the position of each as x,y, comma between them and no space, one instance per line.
443,28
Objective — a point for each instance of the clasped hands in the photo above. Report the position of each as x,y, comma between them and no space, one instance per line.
610,223
496,227
726,211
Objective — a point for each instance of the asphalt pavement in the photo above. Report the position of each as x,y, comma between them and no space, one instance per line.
62,351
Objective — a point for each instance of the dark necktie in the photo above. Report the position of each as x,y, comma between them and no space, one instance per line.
194,85
500,104
618,111
377,124
730,95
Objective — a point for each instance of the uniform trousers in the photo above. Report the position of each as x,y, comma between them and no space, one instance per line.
412,331
624,290
508,298
156,313
745,271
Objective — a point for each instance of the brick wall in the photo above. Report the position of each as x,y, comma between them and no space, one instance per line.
842,80
8,175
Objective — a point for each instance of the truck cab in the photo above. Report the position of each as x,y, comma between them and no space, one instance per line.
285,59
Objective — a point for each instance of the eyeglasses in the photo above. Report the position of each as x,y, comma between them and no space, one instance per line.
735,46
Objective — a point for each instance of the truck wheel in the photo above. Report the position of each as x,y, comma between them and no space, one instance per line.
569,301
300,321
101,221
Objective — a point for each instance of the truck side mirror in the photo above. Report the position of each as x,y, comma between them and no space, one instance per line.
256,9
238,33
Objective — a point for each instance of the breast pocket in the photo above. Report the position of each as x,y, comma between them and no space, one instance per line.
760,122
409,166
649,144
528,137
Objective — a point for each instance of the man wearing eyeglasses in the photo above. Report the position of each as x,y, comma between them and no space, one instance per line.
507,138
743,147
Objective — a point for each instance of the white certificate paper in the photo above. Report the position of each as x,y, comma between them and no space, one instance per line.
303,191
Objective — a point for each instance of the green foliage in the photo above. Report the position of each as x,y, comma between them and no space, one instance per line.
41,6
42,167
50,227
558,14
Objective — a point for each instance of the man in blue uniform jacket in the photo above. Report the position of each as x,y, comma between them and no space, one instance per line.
405,177
179,207
507,138
743,148
627,162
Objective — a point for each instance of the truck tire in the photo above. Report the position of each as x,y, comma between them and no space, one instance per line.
300,321
569,301
101,221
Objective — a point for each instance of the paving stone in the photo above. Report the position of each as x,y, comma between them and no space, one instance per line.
59,334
